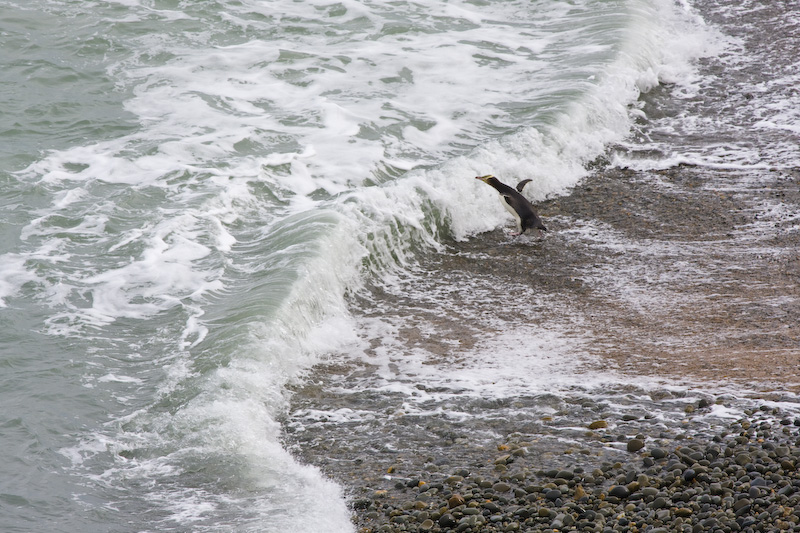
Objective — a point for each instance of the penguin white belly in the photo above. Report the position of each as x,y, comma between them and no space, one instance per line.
513,212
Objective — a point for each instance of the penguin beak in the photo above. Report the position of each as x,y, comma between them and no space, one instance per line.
483,178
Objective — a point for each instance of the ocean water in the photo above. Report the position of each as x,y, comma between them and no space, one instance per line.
201,199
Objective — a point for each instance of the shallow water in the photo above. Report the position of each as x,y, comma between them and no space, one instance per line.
669,277
235,231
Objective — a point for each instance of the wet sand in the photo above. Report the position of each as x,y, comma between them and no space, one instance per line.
685,275
682,272
689,275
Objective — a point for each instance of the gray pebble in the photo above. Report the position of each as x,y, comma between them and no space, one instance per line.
553,494
659,503
737,481
501,487
447,520
657,453
619,491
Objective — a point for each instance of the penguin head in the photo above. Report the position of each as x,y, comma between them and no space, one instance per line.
488,179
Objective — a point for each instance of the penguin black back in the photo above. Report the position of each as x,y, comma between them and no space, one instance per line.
523,211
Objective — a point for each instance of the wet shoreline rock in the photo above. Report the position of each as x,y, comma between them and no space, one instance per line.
746,479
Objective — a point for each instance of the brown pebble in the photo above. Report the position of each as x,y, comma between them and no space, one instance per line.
598,424
634,445
455,500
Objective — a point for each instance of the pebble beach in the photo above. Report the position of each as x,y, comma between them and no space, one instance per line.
744,478
701,436
249,282
668,399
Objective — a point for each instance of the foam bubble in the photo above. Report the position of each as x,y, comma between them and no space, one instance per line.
15,274
272,165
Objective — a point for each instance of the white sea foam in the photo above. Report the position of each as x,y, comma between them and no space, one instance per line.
555,155
763,105
218,238
14,275
526,371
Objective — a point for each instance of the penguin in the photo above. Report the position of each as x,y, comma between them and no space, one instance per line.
517,205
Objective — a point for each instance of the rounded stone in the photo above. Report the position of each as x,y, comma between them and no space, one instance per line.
455,500
491,506
447,520
501,487
742,503
657,453
427,525
634,445
659,503
553,494
650,491
565,474
619,491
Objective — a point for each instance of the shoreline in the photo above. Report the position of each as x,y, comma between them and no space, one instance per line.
724,263
669,278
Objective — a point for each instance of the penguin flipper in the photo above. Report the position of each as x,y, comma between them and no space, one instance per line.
521,184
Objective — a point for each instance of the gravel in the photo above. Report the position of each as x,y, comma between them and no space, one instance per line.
743,479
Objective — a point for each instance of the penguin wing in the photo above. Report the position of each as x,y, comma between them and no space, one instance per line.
524,211
521,185
518,203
